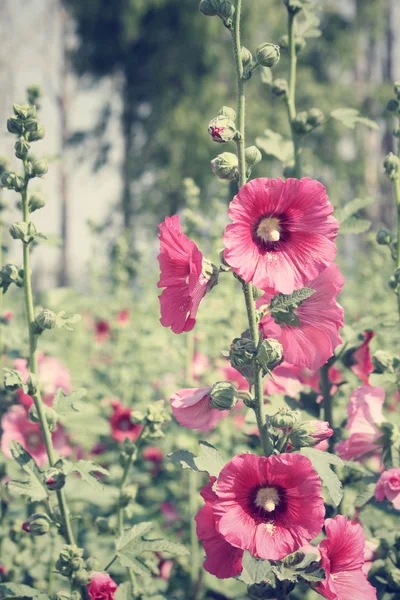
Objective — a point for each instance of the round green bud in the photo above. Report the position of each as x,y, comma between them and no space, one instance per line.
223,395
241,356
93,564
36,201
284,418
12,181
23,111
315,117
392,105
252,156
31,124
227,111
222,129
81,577
392,283
280,87
19,230
38,524
246,56
46,319
300,123
54,479
21,148
35,136
226,11
225,166
267,55
391,165
40,167
15,125
382,361
384,237
270,354
209,8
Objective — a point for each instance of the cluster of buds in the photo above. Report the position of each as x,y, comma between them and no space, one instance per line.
218,8
11,274
267,55
38,524
223,128
307,121
391,165
71,564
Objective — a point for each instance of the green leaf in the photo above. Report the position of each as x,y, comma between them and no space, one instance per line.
321,462
30,488
85,468
283,302
299,566
209,461
351,208
20,592
63,404
65,322
365,495
349,117
13,380
254,569
33,487
124,591
273,144
355,225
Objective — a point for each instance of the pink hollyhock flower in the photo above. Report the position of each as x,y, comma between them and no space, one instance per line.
222,559
342,556
323,446
53,375
181,265
18,428
282,233
123,316
269,506
365,414
319,430
103,331
121,423
192,408
200,364
370,549
8,316
165,567
153,454
388,486
285,380
311,342
229,373
360,359
101,587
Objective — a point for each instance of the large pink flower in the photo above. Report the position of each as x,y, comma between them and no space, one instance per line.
18,428
282,233
121,423
360,359
269,506
101,587
181,264
312,341
222,559
388,486
342,556
192,408
365,414
53,375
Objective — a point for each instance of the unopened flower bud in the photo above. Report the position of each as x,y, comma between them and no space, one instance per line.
54,479
23,111
81,577
241,356
46,319
38,524
222,129
15,125
40,167
223,395
12,181
392,282
253,156
209,8
93,564
382,361
392,105
384,237
396,89
19,230
225,166
31,125
38,134
246,56
10,274
270,354
280,87
211,273
128,495
391,165
36,201
70,560
227,111
315,117
284,418
226,11
267,55
21,148
33,383
300,123
310,433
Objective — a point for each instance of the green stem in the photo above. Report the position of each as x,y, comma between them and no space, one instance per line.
325,386
291,97
33,367
194,544
396,184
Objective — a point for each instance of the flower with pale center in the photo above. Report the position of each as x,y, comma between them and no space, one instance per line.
267,498
269,230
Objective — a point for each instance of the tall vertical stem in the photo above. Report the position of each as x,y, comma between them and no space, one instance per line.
396,185
291,97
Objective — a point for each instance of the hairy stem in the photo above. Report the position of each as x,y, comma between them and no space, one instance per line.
325,386
291,97
33,367
396,184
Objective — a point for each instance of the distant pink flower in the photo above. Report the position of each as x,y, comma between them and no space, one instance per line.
312,342
342,556
101,587
370,549
18,428
365,414
312,378
103,331
121,423
170,513
8,316
53,375
200,364
282,233
181,265
153,454
360,359
123,316
192,408
165,567
229,373
222,559
269,506
388,486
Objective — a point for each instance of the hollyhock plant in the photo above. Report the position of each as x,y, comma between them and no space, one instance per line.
101,587
260,504
360,359
182,275
192,408
365,416
388,487
53,376
18,428
342,556
282,234
121,423
310,341
222,559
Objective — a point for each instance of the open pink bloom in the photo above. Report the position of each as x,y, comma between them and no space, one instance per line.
101,587
361,361
18,428
365,416
342,556
312,341
123,316
229,373
269,506
103,331
222,559
153,454
181,265
192,408
370,555
282,233
53,375
285,381
121,423
388,486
